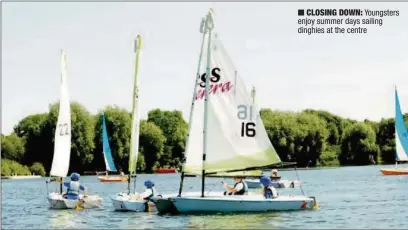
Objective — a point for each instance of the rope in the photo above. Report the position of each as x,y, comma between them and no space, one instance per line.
300,185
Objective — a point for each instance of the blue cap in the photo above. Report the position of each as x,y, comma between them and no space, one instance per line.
75,176
149,183
265,181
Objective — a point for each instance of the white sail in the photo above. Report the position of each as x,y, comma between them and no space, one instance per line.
134,145
62,143
237,138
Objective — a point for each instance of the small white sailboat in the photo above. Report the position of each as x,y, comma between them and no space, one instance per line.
62,152
401,142
127,201
225,135
107,156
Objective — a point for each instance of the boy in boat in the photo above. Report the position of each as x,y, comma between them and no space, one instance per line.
149,192
269,192
274,176
73,187
240,187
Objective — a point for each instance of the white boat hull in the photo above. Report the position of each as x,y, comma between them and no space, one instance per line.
276,184
57,201
249,203
128,202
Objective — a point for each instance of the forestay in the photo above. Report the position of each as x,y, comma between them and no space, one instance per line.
237,138
401,135
62,143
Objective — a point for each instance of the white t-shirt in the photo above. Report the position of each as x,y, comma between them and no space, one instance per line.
148,192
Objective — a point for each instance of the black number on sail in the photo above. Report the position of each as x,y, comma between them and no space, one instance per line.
247,128
215,77
63,129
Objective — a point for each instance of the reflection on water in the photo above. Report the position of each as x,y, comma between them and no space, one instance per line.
236,221
65,219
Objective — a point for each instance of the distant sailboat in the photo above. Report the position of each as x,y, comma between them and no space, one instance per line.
401,142
62,152
107,155
225,136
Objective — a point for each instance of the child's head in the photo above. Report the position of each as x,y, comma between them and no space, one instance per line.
265,181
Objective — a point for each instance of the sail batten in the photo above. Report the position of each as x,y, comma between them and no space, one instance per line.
401,137
107,154
62,140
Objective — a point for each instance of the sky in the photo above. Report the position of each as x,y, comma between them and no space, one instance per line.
349,75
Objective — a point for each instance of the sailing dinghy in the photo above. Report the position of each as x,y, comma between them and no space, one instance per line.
62,152
107,155
225,135
127,201
401,142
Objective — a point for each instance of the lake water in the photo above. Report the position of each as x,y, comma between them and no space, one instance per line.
349,197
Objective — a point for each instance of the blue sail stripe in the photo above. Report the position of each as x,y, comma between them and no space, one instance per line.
110,166
400,127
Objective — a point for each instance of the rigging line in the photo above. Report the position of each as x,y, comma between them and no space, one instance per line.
300,183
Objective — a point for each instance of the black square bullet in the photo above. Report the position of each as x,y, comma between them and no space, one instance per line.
301,12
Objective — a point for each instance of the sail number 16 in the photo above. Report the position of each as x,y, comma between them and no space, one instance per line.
247,128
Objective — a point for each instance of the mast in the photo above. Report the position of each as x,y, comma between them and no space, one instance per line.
209,24
133,162
203,31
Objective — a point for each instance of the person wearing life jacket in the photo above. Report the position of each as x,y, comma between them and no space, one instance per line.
269,192
73,187
240,187
149,192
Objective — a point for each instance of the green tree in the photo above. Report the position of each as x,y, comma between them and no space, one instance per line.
152,142
174,129
282,131
37,169
11,168
335,124
31,129
358,145
296,137
311,141
12,147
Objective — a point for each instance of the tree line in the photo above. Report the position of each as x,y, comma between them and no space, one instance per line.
310,138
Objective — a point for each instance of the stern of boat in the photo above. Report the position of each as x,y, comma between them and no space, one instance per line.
56,201
164,205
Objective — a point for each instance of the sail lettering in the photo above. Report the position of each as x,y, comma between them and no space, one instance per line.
215,73
63,129
247,128
215,85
